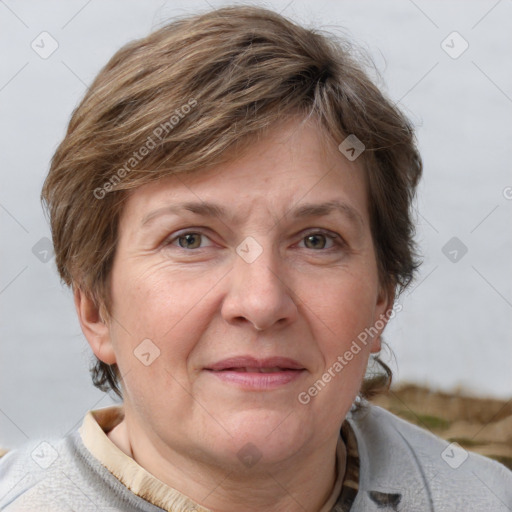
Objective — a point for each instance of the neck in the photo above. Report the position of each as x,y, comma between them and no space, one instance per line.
301,483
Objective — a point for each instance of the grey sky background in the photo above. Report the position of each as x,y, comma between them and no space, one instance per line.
446,63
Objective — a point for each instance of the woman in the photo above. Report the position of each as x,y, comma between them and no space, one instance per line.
231,206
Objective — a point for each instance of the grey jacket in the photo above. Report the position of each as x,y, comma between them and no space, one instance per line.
402,468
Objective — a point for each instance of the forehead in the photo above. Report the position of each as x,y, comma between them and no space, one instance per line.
295,166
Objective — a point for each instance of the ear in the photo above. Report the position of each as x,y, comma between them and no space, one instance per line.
383,312
94,326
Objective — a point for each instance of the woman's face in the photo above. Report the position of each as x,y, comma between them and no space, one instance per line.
235,289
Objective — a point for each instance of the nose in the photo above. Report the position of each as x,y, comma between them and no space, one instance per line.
258,294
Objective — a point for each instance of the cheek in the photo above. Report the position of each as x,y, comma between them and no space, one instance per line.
334,386
344,313
158,319
152,302
346,305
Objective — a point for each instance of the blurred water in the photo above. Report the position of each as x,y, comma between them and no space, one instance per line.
454,329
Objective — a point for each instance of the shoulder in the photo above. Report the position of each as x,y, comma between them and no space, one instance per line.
23,471
427,472
61,475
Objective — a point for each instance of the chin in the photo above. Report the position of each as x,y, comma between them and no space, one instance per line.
272,436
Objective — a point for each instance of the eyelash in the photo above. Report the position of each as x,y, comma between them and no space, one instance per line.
336,239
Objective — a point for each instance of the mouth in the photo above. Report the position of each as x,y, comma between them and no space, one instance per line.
254,374
254,369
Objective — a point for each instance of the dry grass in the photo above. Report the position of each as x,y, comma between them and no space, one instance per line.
480,425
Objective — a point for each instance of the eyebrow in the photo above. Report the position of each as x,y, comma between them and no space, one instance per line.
206,209
323,209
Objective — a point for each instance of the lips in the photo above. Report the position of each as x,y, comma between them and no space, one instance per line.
252,374
253,365
249,369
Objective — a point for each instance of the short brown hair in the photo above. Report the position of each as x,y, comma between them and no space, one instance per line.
193,90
